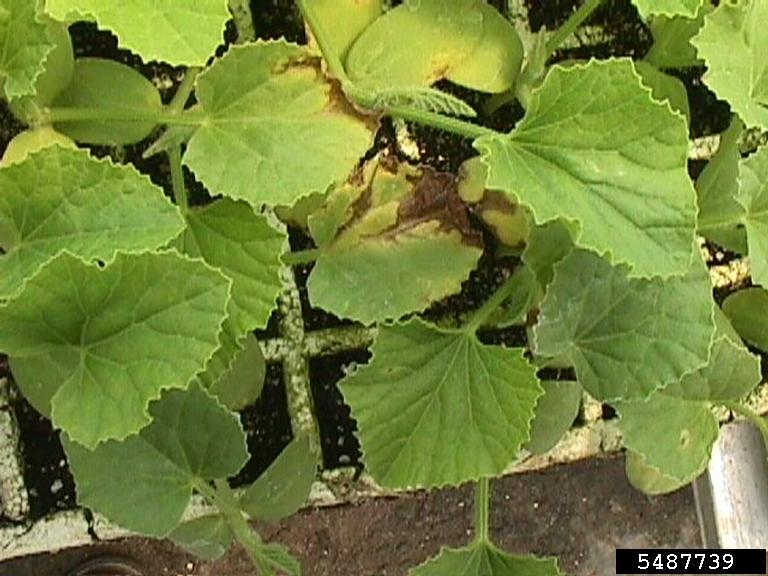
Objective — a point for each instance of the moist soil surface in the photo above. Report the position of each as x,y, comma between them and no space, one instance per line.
579,513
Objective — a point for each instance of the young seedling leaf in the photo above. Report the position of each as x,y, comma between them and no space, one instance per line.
61,199
686,8
344,20
230,236
626,337
182,34
416,43
24,46
207,537
680,449
112,338
647,478
235,374
99,84
484,559
555,413
753,197
145,482
734,46
624,183
271,103
720,214
284,487
747,310
672,46
437,407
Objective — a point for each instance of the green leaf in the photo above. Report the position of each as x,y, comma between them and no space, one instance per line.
437,407
672,46
230,236
547,245
24,45
734,46
181,34
270,102
281,558
555,414
416,43
484,559
145,482
625,183
284,487
717,187
242,379
626,337
687,8
514,309
647,478
496,61
747,310
109,339
680,449
99,84
26,143
344,20
665,88
62,199
753,197
207,537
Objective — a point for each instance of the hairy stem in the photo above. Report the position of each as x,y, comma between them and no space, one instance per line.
483,313
177,179
161,116
434,120
184,90
301,257
482,510
571,25
751,415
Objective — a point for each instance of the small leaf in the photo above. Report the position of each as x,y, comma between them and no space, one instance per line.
60,199
665,88
243,379
753,197
191,439
111,339
344,20
484,559
24,46
271,103
281,558
437,407
514,309
547,245
415,44
687,8
555,414
99,84
626,337
284,487
230,236
26,143
183,34
207,537
647,478
734,46
747,310
672,40
717,187
624,183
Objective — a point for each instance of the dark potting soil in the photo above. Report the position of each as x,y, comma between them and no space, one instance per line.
579,513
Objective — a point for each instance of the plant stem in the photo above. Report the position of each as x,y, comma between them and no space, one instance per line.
181,96
177,179
482,510
571,25
301,257
751,415
161,116
482,313
332,59
434,120
243,17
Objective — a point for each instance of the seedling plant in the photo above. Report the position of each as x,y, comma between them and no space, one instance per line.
128,314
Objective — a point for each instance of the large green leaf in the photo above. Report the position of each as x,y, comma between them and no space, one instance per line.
753,197
680,449
274,130
106,341
626,337
484,559
720,213
230,236
612,160
437,407
284,487
145,482
61,199
747,310
735,48
687,8
416,43
24,46
180,33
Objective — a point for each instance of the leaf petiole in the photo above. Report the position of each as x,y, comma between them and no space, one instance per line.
571,25
163,116
177,179
482,510
484,312
301,257
184,90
